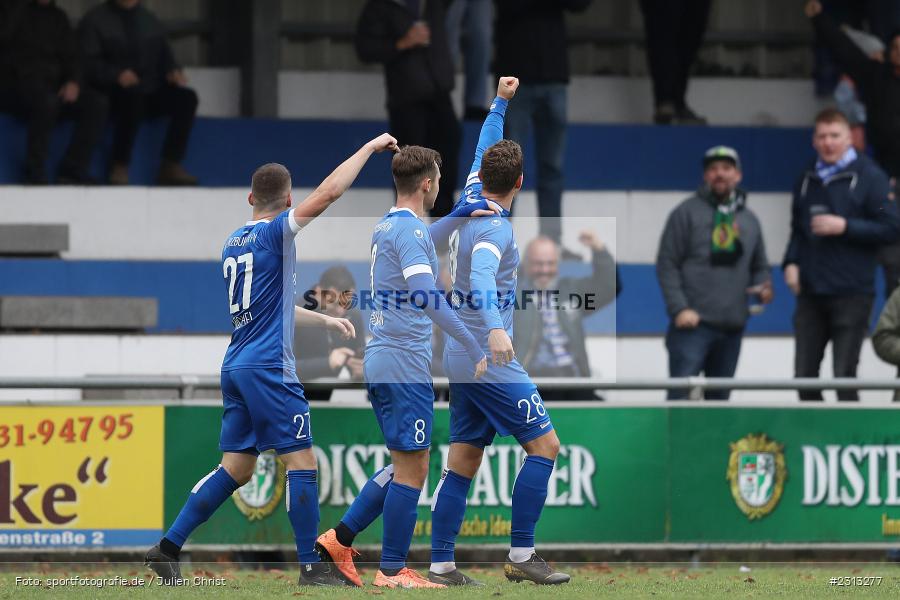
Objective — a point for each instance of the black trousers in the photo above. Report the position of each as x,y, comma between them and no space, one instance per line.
130,106
843,320
39,104
674,31
433,124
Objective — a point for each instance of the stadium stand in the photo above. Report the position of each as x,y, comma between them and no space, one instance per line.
617,168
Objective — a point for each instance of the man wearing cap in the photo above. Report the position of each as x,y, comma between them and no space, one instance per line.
711,266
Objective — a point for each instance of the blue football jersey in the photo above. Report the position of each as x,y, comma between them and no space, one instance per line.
401,247
486,247
259,263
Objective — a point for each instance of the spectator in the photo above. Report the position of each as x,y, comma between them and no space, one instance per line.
409,38
840,215
531,43
40,80
477,17
674,30
549,333
882,17
711,258
878,83
886,339
318,351
128,58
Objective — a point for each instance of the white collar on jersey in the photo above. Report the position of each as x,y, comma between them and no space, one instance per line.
257,222
395,209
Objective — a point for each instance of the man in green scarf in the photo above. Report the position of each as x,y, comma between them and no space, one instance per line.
713,271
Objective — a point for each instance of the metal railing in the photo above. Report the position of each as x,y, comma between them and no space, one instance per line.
186,385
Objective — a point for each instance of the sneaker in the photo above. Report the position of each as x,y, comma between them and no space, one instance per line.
319,574
173,174
686,116
118,174
406,578
454,577
163,565
342,557
534,569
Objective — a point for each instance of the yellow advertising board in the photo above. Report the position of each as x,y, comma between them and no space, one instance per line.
84,476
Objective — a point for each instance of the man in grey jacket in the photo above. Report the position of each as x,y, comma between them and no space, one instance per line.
711,264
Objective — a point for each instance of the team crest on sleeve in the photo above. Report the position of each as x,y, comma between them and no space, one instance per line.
757,472
258,498
495,222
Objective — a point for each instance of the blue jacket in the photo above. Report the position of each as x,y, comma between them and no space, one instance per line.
842,265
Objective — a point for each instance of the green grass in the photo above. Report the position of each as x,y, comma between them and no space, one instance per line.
588,582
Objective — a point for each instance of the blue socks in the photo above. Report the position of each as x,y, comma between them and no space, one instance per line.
302,497
369,503
399,524
208,495
529,494
447,513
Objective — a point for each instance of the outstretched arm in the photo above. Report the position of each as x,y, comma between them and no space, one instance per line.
492,130
334,186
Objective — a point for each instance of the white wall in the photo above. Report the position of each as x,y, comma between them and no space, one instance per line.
197,221
724,101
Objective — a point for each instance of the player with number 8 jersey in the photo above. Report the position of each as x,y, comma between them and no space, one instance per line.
264,405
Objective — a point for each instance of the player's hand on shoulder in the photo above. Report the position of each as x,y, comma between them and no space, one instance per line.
507,87
383,142
482,208
481,367
342,326
501,347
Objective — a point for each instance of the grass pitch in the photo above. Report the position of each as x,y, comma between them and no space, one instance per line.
588,582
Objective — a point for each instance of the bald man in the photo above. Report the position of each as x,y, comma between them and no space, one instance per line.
549,338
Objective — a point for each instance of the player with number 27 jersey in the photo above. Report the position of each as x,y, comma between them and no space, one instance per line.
259,265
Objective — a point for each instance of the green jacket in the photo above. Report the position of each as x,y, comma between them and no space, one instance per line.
886,338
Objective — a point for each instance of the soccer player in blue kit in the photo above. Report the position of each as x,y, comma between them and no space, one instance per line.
398,365
484,260
264,405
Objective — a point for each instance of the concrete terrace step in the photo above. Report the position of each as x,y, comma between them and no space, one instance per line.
78,313
33,239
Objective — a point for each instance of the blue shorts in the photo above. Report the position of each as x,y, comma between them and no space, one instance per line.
264,409
404,411
504,402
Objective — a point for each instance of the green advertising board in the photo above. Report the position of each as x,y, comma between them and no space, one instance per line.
683,475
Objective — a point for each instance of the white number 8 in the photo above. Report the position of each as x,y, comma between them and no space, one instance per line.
419,426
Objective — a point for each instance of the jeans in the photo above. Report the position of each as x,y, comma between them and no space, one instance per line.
674,32
543,106
39,104
433,124
477,16
705,348
842,319
130,106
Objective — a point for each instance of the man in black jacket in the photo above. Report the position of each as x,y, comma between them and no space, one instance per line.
409,38
879,85
842,212
128,58
547,326
531,43
319,352
40,80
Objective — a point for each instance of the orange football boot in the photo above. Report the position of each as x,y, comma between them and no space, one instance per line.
340,555
406,578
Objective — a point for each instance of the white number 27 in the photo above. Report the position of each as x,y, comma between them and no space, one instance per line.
230,270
